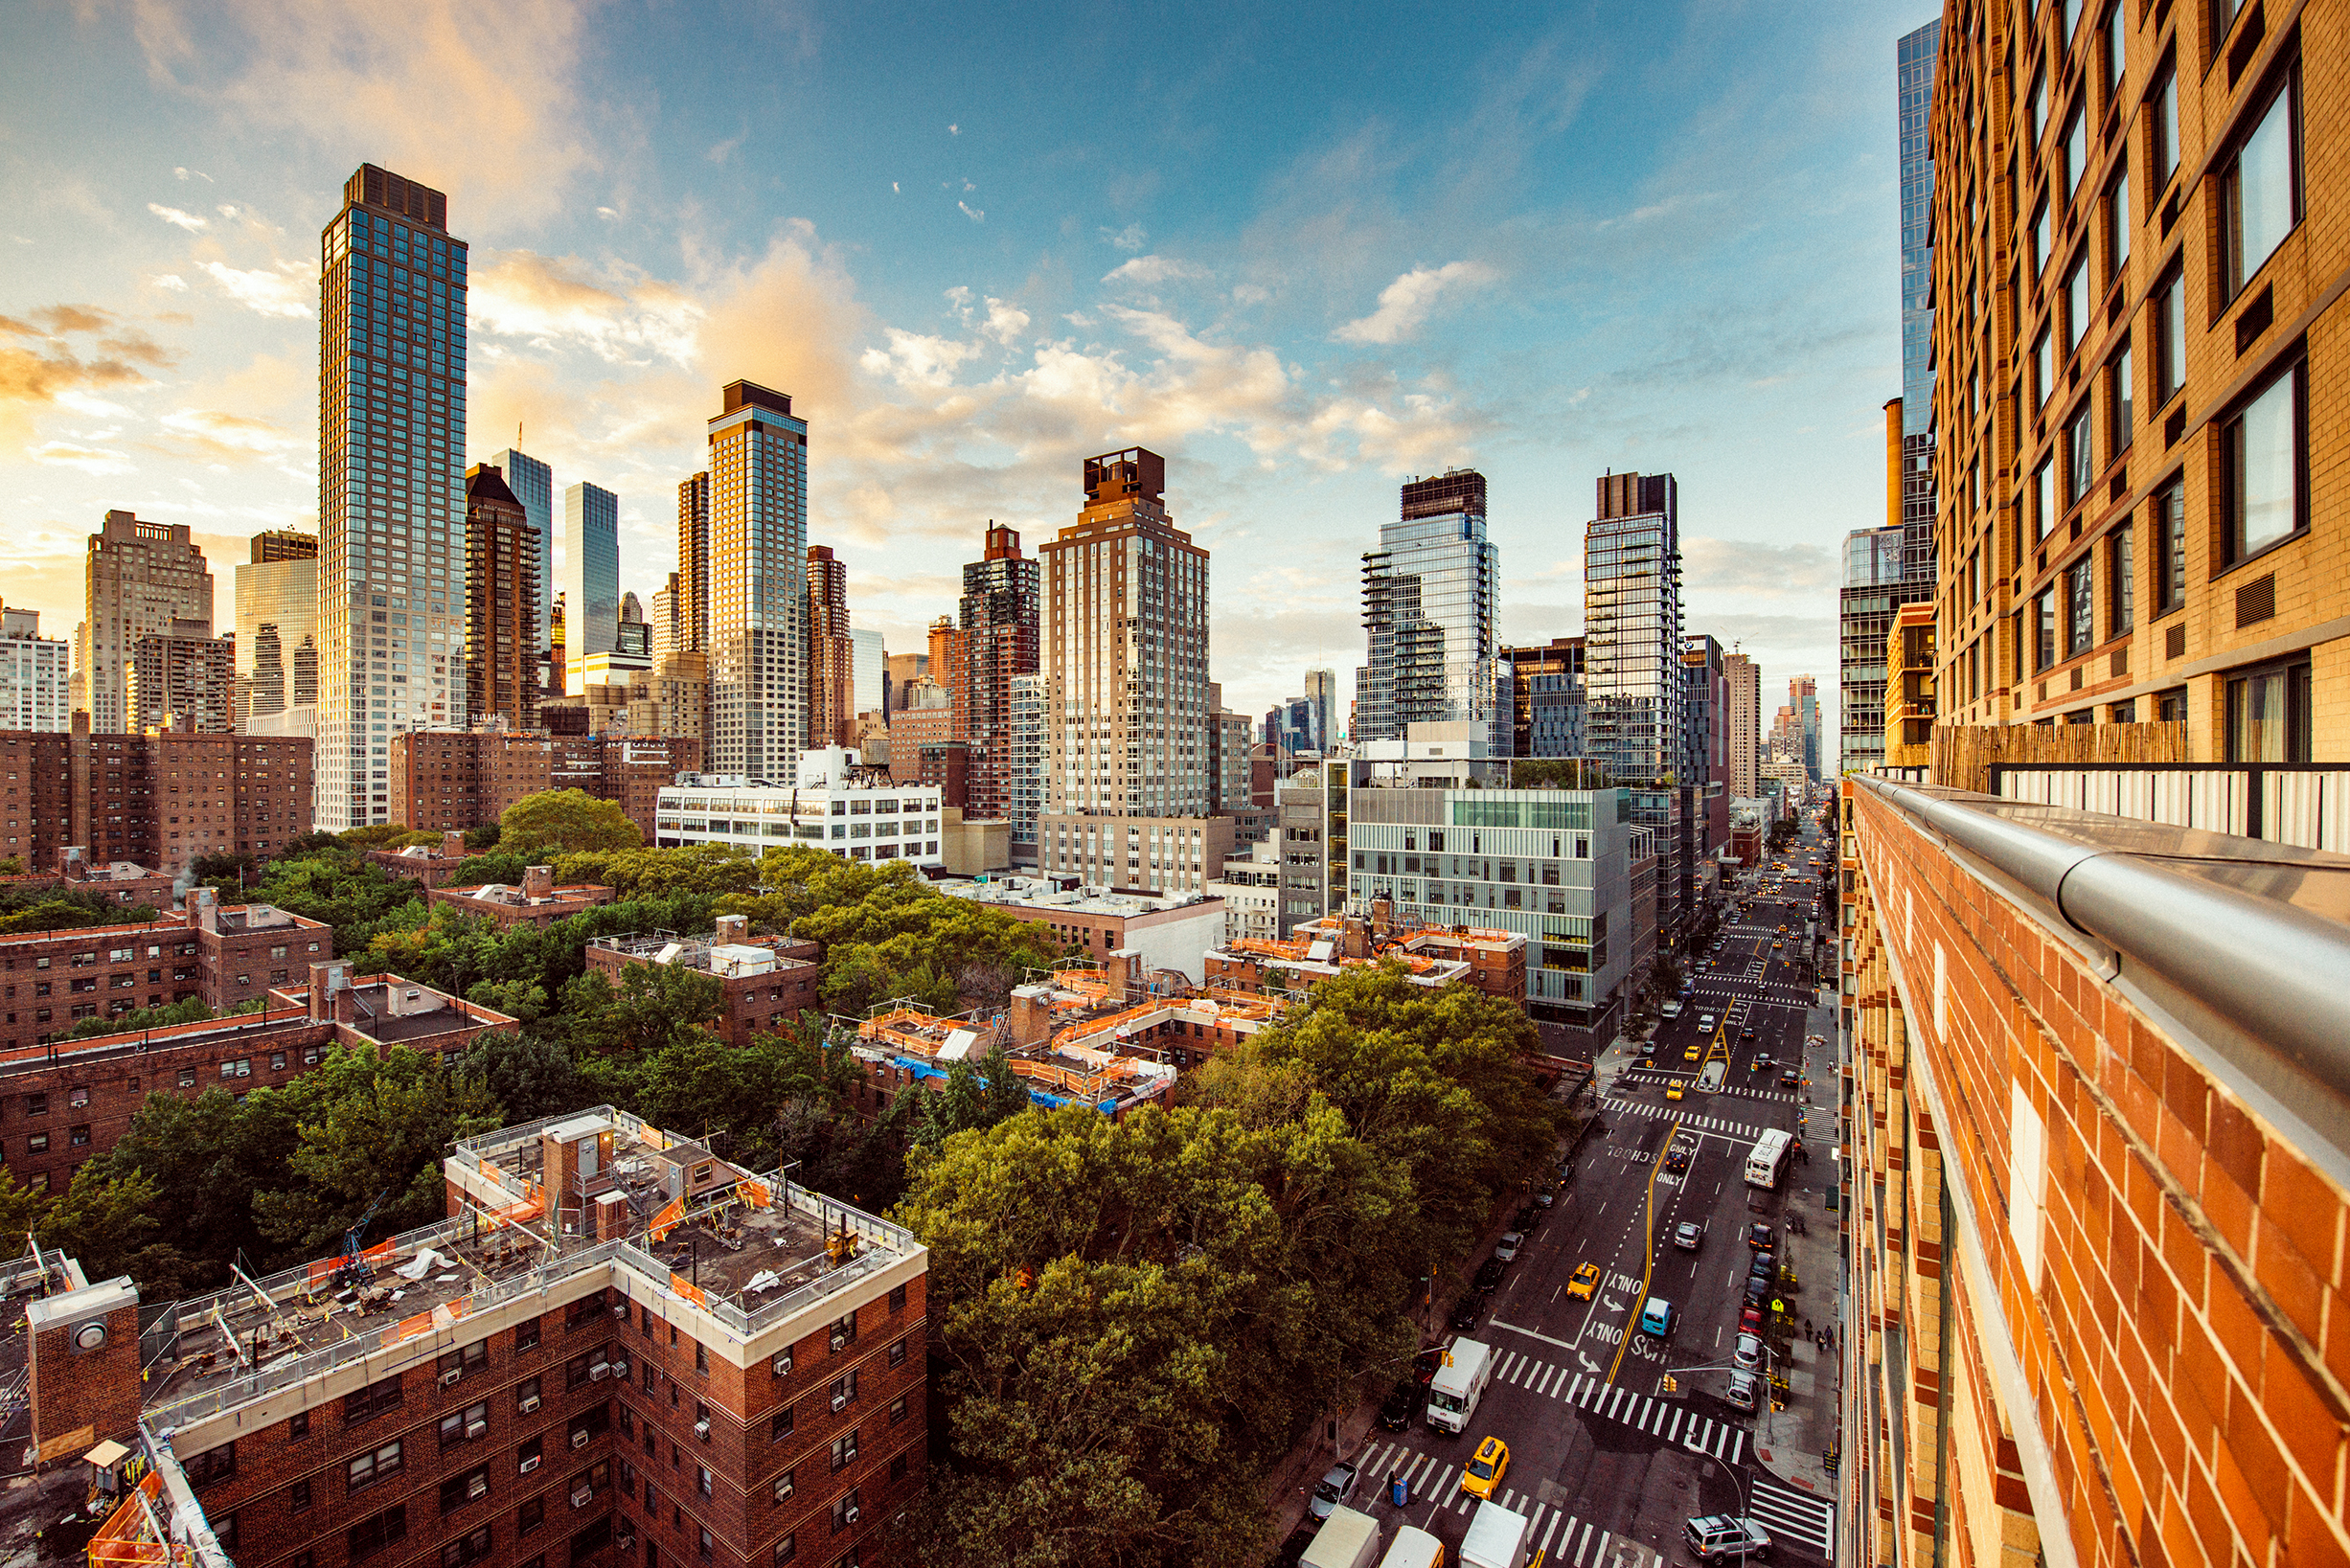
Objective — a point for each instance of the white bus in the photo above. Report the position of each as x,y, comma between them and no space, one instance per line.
1768,1158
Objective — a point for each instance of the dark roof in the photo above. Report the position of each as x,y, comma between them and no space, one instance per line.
487,482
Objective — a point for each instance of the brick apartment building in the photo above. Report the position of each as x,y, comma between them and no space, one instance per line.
66,1104
162,801
769,981
537,901
427,865
451,780
623,1352
123,883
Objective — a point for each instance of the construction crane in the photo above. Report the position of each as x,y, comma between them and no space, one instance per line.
351,1271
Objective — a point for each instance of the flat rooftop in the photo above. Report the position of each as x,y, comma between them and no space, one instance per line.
694,952
1021,892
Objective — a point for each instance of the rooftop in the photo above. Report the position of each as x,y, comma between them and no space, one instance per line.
730,957
392,1010
506,893
1042,893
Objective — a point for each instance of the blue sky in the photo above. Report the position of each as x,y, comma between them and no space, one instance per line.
1304,252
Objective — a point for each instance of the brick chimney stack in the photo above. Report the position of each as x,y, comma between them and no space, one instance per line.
83,1349
538,882
734,929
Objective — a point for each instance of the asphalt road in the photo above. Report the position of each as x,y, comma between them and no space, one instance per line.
1605,1464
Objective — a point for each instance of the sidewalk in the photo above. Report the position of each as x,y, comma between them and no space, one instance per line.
1792,1443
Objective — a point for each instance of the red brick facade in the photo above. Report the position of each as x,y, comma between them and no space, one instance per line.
449,779
159,800
768,1003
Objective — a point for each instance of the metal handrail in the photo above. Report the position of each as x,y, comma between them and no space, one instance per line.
2270,968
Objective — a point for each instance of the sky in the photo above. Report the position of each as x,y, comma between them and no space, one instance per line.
1307,253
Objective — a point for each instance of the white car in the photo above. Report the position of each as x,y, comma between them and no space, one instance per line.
1748,1355
1506,1249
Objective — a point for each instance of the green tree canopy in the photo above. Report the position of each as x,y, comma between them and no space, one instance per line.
654,1007
922,945
564,822
637,872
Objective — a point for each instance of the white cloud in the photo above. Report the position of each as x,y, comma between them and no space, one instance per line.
972,213
89,460
183,173
1005,321
1406,303
171,280
1131,238
954,130
1154,269
189,221
916,360
271,293
98,408
551,301
1251,294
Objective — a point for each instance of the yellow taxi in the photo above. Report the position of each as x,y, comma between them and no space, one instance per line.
1776,944
1586,1281
1483,1477
1693,1052
1673,1089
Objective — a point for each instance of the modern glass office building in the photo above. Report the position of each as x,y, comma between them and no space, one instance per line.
756,512
391,487
1632,619
589,574
277,621
1914,66
1427,612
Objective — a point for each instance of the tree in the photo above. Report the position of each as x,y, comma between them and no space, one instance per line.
107,1222
492,866
527,1073
384,835
1557,773
20,1207
483,838
712,869
189,1010
654,1007
13,866
564,822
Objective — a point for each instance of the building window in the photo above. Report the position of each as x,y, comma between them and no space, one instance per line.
2121,585
2171,706
2260,467
526,1335
2039,239
844,1449
2117,226
472,1422
780,1425
897,1410
371,1400
469,1488
784,1488
896,1299
2080,456
301,1496
2081,607
2170,329
471,1547
847,1509
531,1515
788,1548
2119,418
2043,367
212,1465
2170,518
372,1466
2163,128
2043,501
2044,633
2260,198
2267,715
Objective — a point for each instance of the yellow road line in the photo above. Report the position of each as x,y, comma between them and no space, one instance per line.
1648,1269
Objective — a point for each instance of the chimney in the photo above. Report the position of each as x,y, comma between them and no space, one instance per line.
346,1004
1121,965
1353,938
207,902
83,1355
74,861
538,881
733,928
453,845
1382,917
326,979
1032,1015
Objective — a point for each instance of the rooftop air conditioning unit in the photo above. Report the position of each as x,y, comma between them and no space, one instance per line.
598,1373
530,1404
476,1429
529,1464
578,1438
448,1380
701,1430
841,1402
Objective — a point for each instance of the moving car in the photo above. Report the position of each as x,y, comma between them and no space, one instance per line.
1706,1023
1790,1079
1676,1158
1693,1052
1689,1236
1585,1280
1508,1247
1490,1463
1656,1317
1739,1394
1465,1313
1717,1535
1673,1089
1336,1485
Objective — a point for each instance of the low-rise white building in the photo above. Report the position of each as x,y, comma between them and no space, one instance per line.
839,805
34,672
1250,888
1175,931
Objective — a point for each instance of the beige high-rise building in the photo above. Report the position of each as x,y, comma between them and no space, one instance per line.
832,679
139,580
1130,797
1743,678
758,533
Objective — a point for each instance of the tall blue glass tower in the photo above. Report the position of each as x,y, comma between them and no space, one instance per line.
1914,57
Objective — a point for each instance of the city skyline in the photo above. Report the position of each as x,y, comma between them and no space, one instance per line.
598,336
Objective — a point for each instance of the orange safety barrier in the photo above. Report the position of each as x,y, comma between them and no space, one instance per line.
123,1538
755,1192
688,1289
321,1267
667,1220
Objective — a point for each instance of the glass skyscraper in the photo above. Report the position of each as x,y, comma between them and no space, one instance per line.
589,577
391,487
1632,621
1872,591
1914,57
1427,612
277,619
533,482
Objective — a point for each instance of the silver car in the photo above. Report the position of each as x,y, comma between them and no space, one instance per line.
1748,1355
1337,1485
1507,1248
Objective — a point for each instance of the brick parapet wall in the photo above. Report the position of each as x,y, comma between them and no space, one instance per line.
2183,1339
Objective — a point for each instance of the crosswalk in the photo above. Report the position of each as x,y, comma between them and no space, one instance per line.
1668,1419
1658,1074
1795,1515
1711,1123
1580,1542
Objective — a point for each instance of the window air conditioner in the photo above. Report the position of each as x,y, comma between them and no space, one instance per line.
578,1438
783,1488
529,1464
840,1341
474,1429
620,1370
701,1430
530,1404
599,1372
448,1380
841,1402
627,1543
782,1365
848,1514
620,1308
478,1486
582,1497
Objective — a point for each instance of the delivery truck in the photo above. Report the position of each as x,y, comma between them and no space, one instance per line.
1458,1385
1414,1548
1497,1537
1347,1539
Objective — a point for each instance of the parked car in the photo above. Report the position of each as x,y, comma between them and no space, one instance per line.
1689,1236
1748,1357
1511,1244
1489,1276
1529,1215
1336,1485
1401,1405
1465,1313
1757,1292
1739,1394
1758,1236
1750,1320
1720,1536
1765,1266
1544,1197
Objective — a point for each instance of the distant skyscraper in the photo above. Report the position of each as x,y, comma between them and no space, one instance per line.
758,543
665,640
869,663
140,578
35,671
277,621
1540,701
392,435
589,577
1024,776
533,482
501,602
1872,592
832,652
694,564
1803,706
1000,597
1631,617
1428,611
1126,660
183,680
1742,681
1914,58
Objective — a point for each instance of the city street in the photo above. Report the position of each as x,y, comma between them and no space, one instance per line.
1605,1459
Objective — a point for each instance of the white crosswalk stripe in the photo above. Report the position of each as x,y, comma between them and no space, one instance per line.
1798,1515
1555,1521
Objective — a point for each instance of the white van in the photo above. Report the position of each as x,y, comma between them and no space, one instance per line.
1414,1548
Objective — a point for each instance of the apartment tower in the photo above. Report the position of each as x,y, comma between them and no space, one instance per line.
391,491
35,671
694,564
1632,619
183,681
758,545
1743,684
501,602
276,624
832,652
1128,792
1428,611
139,579
1873,591
999,610
533,482
588,576
1541,699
